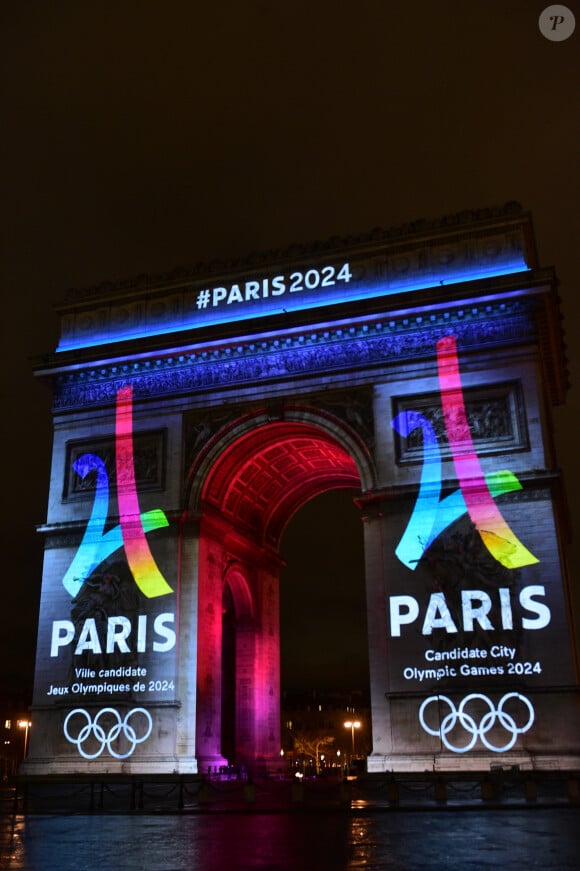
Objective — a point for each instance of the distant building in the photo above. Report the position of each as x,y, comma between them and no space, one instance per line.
309,719
14,731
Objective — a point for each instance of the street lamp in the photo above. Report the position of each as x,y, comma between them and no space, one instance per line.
352,725
25,724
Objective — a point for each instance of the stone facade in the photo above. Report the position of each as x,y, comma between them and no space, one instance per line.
228,428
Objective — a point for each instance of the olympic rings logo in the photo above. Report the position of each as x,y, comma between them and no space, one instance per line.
105,735
487,722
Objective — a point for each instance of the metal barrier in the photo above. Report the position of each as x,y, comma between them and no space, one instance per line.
201,794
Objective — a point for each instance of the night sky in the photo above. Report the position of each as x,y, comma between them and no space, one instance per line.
140,136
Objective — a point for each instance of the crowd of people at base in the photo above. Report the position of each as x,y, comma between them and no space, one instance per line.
228,772
241,772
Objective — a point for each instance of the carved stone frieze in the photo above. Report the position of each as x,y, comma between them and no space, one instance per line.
495,415
312,352
148,463
201,425
353,407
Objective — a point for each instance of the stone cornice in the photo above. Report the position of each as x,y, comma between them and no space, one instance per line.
537,486
460,225
411,262
368,343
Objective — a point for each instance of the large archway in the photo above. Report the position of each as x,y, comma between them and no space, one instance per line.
195,415
261,473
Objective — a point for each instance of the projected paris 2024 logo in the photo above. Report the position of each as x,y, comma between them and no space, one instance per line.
472,615
94,733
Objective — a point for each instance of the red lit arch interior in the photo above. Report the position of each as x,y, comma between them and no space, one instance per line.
264,477
252,490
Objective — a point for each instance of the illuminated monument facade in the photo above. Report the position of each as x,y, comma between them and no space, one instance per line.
196,413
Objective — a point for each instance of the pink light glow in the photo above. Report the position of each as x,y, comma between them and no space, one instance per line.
143,566
496,534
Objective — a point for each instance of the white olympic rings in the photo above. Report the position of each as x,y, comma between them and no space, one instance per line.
102,736
468,722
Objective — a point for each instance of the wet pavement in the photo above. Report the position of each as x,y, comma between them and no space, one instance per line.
506,820
442,840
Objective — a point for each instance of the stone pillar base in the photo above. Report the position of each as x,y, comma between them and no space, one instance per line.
485,762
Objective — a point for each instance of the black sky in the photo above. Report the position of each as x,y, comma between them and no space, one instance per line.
323,625
141,136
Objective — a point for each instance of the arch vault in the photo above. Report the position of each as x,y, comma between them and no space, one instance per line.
262,475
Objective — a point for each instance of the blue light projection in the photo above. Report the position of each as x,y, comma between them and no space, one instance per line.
97,545
278,295
476,494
